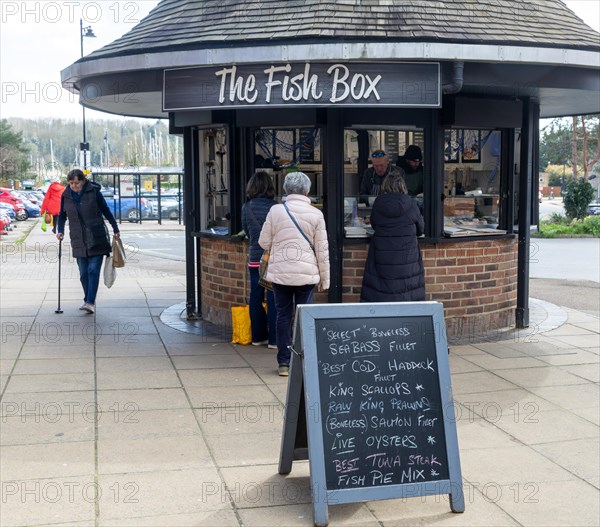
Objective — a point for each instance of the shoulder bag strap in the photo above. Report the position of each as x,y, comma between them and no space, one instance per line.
298,227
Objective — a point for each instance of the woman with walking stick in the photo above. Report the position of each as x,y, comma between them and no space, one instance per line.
84,206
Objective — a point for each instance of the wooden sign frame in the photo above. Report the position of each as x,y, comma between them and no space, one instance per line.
302,436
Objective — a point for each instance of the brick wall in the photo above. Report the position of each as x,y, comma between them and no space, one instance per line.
224,280
476,280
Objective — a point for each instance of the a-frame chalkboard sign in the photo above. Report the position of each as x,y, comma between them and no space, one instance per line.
369,402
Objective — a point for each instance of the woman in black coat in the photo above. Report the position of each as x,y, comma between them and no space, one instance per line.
394,268
85,208
260,191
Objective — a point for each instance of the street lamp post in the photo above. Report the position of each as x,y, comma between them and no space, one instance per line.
84,146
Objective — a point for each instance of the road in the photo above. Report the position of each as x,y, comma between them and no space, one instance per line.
165,244
550,206
566,272
565,258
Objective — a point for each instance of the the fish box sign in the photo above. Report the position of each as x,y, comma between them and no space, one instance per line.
406,84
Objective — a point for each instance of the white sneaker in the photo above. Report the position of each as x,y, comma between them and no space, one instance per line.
260,343
90,308
82,306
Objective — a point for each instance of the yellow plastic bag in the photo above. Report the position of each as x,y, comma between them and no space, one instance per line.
240,323
44,226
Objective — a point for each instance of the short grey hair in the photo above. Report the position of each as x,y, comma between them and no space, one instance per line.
296,183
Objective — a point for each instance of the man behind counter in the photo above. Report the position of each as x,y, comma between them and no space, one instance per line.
373,177
411,163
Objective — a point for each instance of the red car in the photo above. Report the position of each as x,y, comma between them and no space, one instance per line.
17,204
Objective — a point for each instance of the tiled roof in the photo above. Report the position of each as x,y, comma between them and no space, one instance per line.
197,24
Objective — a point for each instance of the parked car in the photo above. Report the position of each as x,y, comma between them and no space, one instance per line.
4,224
7,213
127,208
7,209
35,196
170,205
31,209
6,196
594,209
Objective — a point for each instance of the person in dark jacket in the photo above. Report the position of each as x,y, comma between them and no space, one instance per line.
370,184
84,206
260,192
394,267
412,164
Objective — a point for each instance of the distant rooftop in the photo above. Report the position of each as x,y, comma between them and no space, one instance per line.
197,24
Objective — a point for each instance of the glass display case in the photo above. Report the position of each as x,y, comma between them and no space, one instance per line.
357,218
471,182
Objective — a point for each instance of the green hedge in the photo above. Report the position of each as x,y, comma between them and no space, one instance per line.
560,226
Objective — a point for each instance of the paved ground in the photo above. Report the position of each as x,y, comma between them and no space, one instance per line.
118,419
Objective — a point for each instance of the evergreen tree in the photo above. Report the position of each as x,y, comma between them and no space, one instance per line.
13,152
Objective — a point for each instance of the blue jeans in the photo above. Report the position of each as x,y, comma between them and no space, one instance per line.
287,297
89,275
262,324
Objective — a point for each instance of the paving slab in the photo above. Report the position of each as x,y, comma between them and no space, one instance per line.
140,379
219,377
136,400
163,492
51,382
480,509
579,456
220,518
133,424
231,397
154,454
47,461
545,503
48,501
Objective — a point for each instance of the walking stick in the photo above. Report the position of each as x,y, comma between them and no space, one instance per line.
58,309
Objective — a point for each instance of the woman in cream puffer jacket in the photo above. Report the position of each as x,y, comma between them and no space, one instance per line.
294,266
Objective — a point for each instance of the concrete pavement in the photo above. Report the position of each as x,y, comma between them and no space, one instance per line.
120,419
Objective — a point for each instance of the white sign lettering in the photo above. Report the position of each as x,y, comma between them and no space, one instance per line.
238,90
301,87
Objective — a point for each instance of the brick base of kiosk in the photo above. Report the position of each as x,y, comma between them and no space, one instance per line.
476,280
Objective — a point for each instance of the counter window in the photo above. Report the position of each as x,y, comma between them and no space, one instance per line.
472,161
368,156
